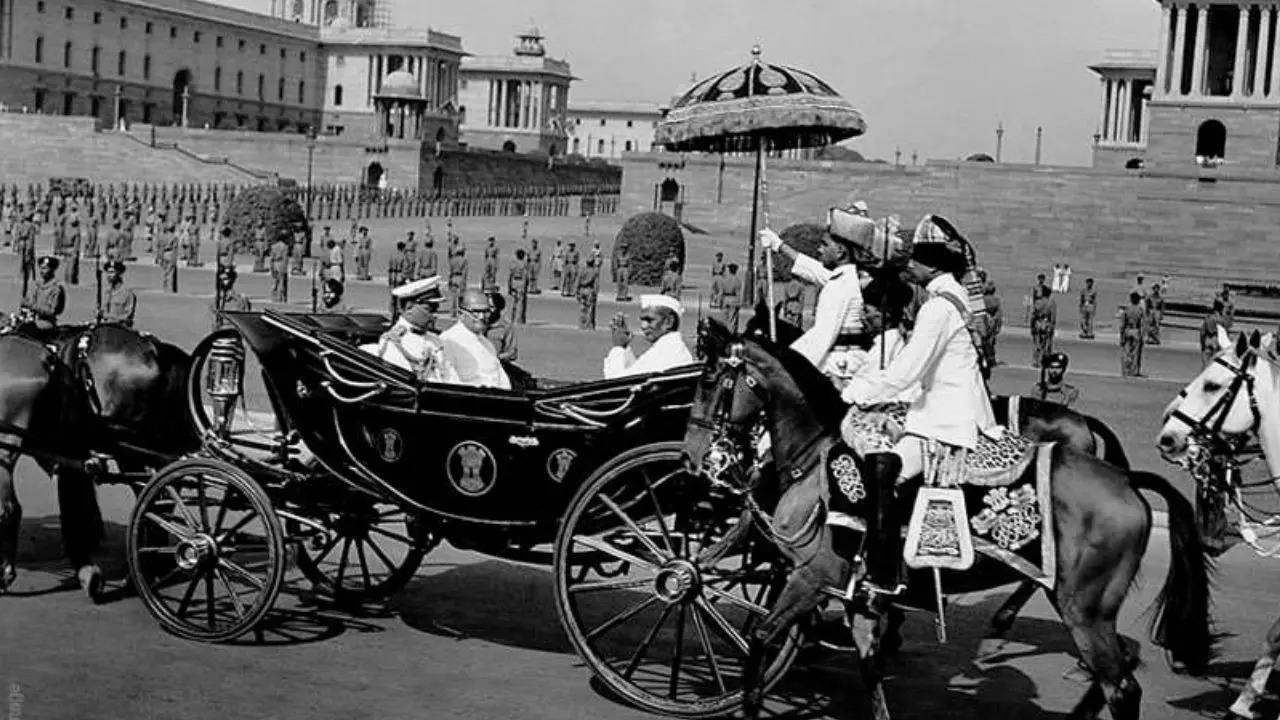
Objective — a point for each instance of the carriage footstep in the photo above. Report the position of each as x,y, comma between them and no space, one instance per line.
90,577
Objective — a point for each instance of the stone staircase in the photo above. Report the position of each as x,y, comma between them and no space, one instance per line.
39,147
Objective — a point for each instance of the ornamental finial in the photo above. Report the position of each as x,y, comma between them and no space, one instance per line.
755,51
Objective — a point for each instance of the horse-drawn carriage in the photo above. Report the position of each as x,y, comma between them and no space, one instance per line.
365,470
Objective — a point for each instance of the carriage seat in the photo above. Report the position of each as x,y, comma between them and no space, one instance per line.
994,462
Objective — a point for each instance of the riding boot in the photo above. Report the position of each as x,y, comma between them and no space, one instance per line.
884,553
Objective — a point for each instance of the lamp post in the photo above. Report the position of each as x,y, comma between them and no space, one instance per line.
999,140
311,151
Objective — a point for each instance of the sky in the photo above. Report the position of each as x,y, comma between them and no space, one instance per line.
930,76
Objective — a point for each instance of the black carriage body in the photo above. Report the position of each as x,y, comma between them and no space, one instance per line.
475,457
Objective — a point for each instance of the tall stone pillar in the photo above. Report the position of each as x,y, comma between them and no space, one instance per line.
1242,46
1259,87
1104,109
1179,21
1162,69
1273,87
1117,112
1197,60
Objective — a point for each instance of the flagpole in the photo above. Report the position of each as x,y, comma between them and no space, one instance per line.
768,255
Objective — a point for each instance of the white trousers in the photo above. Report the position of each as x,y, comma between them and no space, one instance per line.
911,449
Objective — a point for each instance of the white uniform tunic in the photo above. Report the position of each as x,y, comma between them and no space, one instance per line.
474,358
667,352
838,312
953,406
420,354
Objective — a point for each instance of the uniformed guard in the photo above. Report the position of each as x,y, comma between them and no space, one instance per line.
297,252
457,276
1132,335
69,253
119,303
395,274
569,283
731,296
410,257
557,267
186,229
325,237
279,271
226,247
598,255
588,285
364,255
260,247
193,248
1051,387
168,246
46,298
428,263
518,288
535,267
489,277
226,298
502,331
335,264
1088,308
25,239
717,280
671,281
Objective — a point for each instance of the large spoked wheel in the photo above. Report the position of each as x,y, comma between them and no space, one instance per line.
367,553
657,593
206,551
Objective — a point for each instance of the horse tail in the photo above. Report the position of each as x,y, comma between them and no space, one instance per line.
1114,451
1180,622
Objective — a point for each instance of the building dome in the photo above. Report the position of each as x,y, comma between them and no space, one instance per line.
400,84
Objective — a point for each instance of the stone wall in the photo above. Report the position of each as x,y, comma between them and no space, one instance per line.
1115,158
1253,135
459,168
1105,223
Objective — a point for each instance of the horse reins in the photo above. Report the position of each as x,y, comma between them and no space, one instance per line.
1209,427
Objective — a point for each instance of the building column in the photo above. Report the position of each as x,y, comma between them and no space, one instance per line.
1144,120
1117,111
1197,60
1179,22
1242,46
1260,53
1273,88
1105,86
1162,67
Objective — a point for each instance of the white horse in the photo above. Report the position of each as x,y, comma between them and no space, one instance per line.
1236,395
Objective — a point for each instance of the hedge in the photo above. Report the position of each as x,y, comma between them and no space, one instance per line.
283,216
650,239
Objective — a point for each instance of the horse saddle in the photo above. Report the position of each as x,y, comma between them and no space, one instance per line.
994,462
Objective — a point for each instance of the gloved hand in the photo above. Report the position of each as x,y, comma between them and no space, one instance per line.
769,240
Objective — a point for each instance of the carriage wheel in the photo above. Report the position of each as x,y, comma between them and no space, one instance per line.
368,553
206,551
658,605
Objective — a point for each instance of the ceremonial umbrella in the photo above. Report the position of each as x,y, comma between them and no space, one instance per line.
758,107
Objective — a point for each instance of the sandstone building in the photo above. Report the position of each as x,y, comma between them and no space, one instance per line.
608,129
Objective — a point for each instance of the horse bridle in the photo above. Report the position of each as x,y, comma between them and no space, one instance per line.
733,442
1208,429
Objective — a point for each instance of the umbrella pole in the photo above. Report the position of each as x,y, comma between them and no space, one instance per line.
763,181
751,241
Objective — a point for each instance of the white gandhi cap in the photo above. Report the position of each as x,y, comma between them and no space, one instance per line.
662,301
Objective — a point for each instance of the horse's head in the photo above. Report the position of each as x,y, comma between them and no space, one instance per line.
726,403
1220,406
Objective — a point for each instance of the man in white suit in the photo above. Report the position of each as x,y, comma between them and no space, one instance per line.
953,407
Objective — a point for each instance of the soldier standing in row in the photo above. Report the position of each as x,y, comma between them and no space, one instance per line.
489,279
226,248
185,231
168,249
671,279
1088,308
395,274
569,286
119,303
557,267
717,280
25,246
410,257
297,252
226,298
518,287
731,296
90,236
280,271
622,268
427,262
457,275
588,287
535,267
364,255
335,268
1132,321
260,247
69,253
46,298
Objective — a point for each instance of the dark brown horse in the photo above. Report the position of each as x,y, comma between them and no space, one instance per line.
1037,420
1101,523
72,398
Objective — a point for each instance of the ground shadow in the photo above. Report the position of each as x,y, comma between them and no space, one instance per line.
1229,679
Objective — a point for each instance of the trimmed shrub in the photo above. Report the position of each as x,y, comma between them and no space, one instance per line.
650,239
282,215
803,237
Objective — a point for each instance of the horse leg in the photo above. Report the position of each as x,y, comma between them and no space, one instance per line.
10,521
81,521
1243,706
1008,612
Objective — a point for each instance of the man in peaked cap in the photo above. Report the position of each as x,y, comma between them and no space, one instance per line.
953,408
835,343
425,291
1051,387
411,342
660,324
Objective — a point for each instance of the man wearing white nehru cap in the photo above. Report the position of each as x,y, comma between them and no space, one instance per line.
660,324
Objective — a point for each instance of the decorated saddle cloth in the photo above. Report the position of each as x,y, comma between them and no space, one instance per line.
993,462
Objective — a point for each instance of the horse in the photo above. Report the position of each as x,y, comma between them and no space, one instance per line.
1236,396
1101,523
1038,421
68,399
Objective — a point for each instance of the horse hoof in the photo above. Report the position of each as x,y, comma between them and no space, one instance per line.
8,573
90,577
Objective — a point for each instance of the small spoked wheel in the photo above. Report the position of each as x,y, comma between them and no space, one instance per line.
206,551
659,599
367,553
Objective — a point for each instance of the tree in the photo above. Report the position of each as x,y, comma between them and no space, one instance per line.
650,239
802,237
282,216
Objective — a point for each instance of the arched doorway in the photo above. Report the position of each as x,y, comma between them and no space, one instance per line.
437,180
440,135
373,175
1211,141
508,146
181,85
1134,164
670,191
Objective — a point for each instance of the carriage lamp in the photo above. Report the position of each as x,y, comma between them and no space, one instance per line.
224,378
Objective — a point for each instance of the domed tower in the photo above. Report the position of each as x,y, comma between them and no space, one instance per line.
530,44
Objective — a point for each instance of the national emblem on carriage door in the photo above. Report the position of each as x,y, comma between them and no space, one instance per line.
471,468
